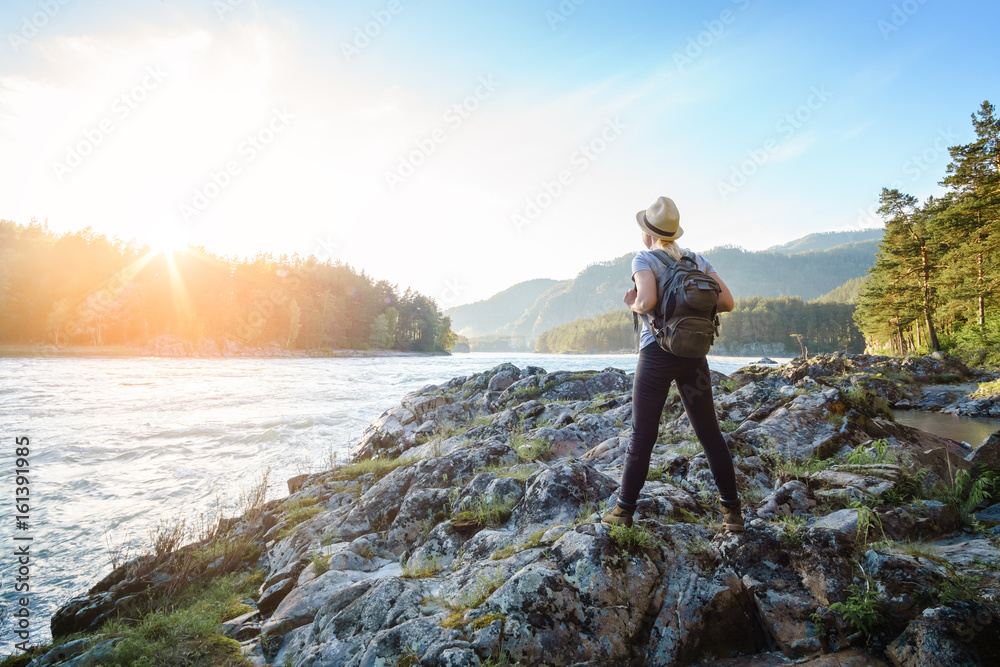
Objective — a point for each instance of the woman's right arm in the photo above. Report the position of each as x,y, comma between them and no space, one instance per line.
726,300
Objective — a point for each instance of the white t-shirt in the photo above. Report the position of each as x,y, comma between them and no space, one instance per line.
642,262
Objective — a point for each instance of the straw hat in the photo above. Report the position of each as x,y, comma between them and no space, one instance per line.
661,220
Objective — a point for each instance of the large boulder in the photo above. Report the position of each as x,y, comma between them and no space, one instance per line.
987,453
958,635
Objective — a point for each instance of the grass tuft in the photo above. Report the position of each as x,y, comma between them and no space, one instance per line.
183,631
424,568
379,468
632,538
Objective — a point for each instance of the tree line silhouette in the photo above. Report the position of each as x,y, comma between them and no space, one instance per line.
81,288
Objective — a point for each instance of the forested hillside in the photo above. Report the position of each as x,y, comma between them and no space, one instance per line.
807,275
598,289
488,316
936,281
846,293
84,289
824,327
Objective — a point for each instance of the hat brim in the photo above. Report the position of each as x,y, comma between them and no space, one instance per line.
653,231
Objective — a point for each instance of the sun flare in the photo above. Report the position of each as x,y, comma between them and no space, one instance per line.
167,240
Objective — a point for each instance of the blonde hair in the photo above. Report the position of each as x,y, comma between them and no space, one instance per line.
666,245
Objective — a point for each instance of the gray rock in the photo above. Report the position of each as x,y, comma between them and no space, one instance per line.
609,381
63,652
348,621
987,453
413,637
567,390
299,607
556,494
843,522
418,507
231,627
961,635
294,645
272,597
990,515
800,429
503,379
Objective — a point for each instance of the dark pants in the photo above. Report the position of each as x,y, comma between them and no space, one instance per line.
657,368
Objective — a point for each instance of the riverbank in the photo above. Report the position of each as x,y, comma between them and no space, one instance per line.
134,351
464,532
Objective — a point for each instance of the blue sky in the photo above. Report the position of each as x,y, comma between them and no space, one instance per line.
249,126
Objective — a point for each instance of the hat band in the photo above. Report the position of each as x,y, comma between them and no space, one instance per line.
656,229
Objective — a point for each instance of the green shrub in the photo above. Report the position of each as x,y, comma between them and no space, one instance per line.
658,473
987,389
870,402
966,493
521,472
420,569
320,563
786,468
297,511
534,450
632,538
793,531
377,467
864,609
495,512
486,585
182,632
877,453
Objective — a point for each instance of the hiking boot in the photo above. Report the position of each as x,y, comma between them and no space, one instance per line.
618,516
733,518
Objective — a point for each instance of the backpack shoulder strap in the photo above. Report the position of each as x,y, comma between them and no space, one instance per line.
664,257
689,256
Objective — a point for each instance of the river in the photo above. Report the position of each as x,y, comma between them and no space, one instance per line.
118,444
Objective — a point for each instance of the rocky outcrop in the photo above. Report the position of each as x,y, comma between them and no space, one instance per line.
481,540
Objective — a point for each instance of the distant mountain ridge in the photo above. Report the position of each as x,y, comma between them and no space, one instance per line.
817,265
827,240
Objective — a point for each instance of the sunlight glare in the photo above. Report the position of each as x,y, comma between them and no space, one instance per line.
167,239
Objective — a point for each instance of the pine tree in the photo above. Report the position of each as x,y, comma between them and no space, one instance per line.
973,262
908,253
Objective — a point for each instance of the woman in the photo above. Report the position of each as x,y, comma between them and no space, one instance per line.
657,368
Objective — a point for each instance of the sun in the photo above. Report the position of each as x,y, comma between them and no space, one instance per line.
167,240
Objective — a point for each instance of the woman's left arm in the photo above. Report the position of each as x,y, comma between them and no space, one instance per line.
643,298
